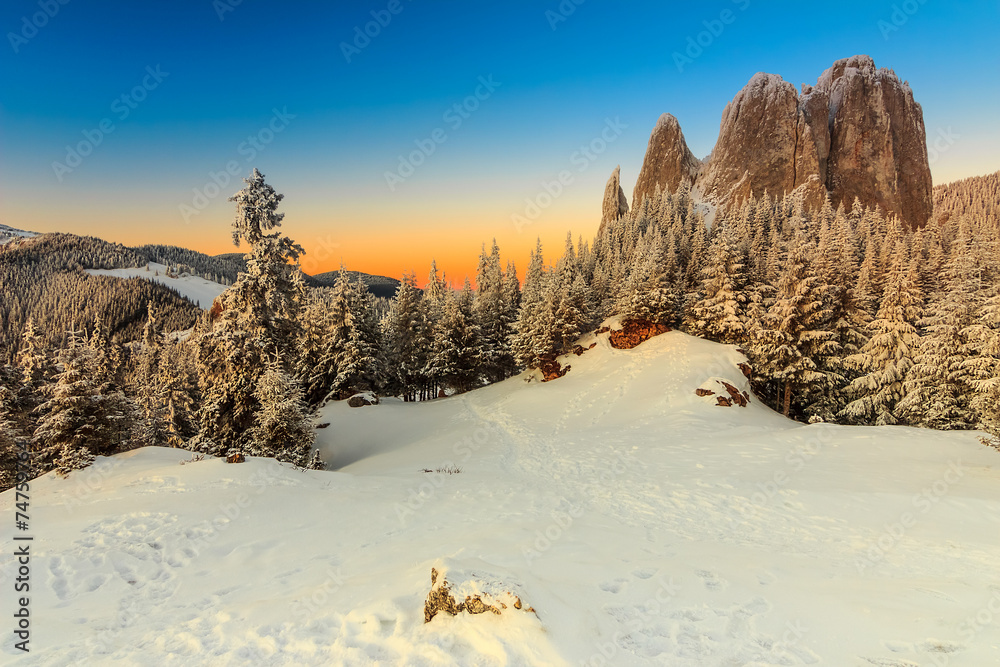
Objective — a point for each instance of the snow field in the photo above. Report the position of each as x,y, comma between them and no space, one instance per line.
644,524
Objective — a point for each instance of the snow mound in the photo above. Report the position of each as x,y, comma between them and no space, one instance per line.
195,289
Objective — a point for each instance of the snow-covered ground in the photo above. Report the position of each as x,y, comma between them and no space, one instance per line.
194,288
8,234
644,524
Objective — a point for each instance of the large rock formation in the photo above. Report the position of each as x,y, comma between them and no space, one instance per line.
668,161
857,133
615,203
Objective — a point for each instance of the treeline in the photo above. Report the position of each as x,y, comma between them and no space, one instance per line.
845,315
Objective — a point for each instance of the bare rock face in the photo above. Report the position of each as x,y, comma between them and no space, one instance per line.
615,203
757,141
878,145
668,161
857,133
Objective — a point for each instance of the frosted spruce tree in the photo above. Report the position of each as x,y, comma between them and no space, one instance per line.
885,360
254,320
79,422
492,317
939,387
283,429
790,340
361,367
720,312
405,334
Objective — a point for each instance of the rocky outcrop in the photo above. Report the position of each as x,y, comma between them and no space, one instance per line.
668,161
857,133
615,203
634,333
477,595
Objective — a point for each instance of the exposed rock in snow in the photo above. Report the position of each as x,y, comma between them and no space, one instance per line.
634,333
857,133
472,593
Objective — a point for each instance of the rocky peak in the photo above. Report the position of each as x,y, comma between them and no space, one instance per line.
668,161
615,203
857,133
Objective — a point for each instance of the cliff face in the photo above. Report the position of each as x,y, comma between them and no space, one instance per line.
857,133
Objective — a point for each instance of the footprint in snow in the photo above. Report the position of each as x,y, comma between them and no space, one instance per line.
712,581
613,586
644,573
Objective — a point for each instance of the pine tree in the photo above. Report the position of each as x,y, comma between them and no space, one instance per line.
886,359
405,334
790,342
282,430
719,313
361,364
258,319
491,313
939,387
151,428
79,421
454,357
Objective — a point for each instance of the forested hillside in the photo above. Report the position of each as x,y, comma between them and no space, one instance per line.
43,279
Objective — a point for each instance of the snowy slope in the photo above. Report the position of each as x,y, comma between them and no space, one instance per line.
644,524
194,288
8,234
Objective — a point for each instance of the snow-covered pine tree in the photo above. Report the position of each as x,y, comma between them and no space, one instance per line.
9,435
338,321
258,319
939,388
78,422
283,429
525,341
405,336
315,325
651,292
361,366
491,313
790,341
719,313
178,380
151,427
886,358
454,358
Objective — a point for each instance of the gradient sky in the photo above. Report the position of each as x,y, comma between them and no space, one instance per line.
559,83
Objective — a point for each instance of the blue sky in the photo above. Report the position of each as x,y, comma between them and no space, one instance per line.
560,75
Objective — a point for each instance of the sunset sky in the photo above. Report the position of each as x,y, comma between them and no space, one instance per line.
202,83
